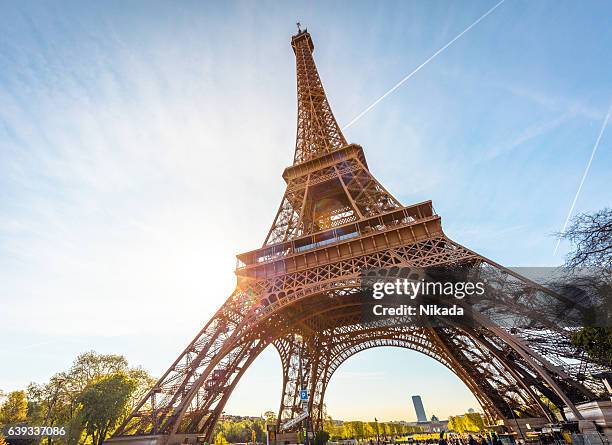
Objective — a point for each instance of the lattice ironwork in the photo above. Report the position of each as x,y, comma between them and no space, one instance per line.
300,292
317,129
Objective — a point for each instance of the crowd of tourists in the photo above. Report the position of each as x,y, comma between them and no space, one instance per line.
448,439
469,439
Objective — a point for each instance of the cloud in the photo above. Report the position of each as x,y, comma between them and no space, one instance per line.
125,201
556,109
532,132
552,102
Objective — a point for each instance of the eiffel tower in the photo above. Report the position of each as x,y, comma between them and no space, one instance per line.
300,292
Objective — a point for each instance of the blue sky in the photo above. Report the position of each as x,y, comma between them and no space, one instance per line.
142,143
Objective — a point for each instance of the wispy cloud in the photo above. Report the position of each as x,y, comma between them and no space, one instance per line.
104,173
552,102
532,132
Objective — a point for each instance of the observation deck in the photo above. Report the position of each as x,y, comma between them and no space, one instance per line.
400,226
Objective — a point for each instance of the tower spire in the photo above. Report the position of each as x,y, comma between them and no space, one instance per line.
317,130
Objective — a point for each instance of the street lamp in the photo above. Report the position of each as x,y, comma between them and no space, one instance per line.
377,435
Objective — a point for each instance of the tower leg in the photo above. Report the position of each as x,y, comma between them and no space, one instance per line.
302,361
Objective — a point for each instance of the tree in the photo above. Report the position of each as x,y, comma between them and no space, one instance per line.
321,437
384,428
144,382
15,408
358,430
270,417
591,239
348,430
91,366
104,403
58,402
370,429
220,439
596,342
54,403
473,422
455,423
469,422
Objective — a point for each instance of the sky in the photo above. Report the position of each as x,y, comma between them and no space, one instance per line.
142,146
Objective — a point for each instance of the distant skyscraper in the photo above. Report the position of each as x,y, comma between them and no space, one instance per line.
418,407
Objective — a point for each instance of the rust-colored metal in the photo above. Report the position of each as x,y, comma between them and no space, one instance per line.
300,293
317,129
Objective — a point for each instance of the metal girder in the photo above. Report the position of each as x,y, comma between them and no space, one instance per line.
301,293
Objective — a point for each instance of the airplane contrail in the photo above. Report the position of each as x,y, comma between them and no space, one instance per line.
586,172
418,68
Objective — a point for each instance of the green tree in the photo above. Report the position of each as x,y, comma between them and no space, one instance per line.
596,342
220,439
58,401
233,431
357,429
91,366
270,417
370,429
384,428
54,403
321,437
144,382
103,403
347,430
473,422
591,238
328,425
469,422
15,408
455,423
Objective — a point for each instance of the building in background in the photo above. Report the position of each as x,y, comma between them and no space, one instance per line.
418,407
429,426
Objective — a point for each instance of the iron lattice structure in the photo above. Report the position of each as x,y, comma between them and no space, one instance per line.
301,293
